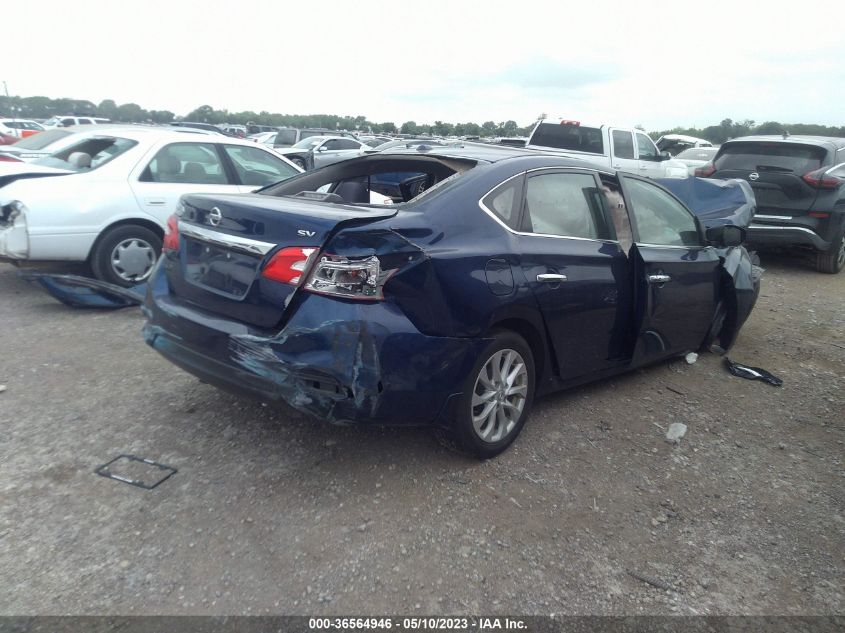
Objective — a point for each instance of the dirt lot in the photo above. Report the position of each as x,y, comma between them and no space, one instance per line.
272,512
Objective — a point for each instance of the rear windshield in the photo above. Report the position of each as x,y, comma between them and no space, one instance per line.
698,153
571,137
286,137
88,154
42,140
757,156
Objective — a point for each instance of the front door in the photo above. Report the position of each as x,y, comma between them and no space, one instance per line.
676,276
650,162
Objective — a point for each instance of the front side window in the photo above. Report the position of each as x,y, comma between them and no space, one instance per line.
659,218
67,122
562,204
646,147
342,143
623,144
195,163
258,168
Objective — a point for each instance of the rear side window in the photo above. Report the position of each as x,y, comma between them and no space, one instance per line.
505,200
757,156
285,137
568,205
659,218
623,144
571,137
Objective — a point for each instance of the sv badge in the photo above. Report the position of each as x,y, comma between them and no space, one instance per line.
304,233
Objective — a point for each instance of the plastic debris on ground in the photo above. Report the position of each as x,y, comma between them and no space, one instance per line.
84,292
752,373
691,358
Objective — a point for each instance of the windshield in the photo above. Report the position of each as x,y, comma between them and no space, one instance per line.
42,140
309,143
87,155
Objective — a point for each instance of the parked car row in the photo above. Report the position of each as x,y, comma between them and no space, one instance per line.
110,190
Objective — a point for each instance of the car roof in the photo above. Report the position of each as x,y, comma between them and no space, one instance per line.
148,132
477,151
836,141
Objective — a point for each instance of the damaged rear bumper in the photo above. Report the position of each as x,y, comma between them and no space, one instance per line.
345,362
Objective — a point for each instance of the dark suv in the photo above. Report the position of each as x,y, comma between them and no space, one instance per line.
798,182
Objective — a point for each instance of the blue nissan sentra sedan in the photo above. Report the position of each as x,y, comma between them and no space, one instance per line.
495,276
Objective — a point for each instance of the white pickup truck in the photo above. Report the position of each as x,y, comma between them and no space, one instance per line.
617,148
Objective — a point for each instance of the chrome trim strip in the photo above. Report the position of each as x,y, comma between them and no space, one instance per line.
758,216
685,248
783,228
235,242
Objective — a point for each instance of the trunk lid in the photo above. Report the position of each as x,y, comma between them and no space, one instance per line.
774,170
227,240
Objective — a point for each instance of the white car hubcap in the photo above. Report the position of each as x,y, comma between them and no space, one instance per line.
133,259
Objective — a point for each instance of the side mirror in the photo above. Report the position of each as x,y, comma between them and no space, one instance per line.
725,235
322,148
664,155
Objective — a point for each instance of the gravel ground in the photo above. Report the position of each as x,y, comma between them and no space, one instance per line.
272,512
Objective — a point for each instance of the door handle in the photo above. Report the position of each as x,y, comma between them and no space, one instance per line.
551,278
658,279
155,201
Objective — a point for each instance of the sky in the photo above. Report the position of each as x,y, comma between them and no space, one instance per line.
636,62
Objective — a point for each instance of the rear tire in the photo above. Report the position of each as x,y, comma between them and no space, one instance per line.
832,261
497,396
125,255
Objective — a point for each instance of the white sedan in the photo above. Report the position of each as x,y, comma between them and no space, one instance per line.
106,198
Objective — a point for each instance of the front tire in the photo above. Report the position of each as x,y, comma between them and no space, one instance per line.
125,255
498,394
298,162
832,261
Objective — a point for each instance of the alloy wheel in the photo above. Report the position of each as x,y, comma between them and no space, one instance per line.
499,395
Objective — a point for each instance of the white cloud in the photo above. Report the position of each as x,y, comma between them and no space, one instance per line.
660,64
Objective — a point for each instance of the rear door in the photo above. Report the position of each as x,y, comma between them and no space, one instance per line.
676,276
774,170
624,157
577,272
163,176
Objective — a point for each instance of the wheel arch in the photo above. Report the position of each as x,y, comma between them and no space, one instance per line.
155,227
535,339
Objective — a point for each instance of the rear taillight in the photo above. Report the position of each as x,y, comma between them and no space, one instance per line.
705,171
288,264
819,180
821,215
361,279
171,235
9,159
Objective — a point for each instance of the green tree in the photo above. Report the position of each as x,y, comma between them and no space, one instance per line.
107,109
131,112
409,127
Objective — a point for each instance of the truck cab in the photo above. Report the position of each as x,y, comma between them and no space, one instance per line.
613,147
